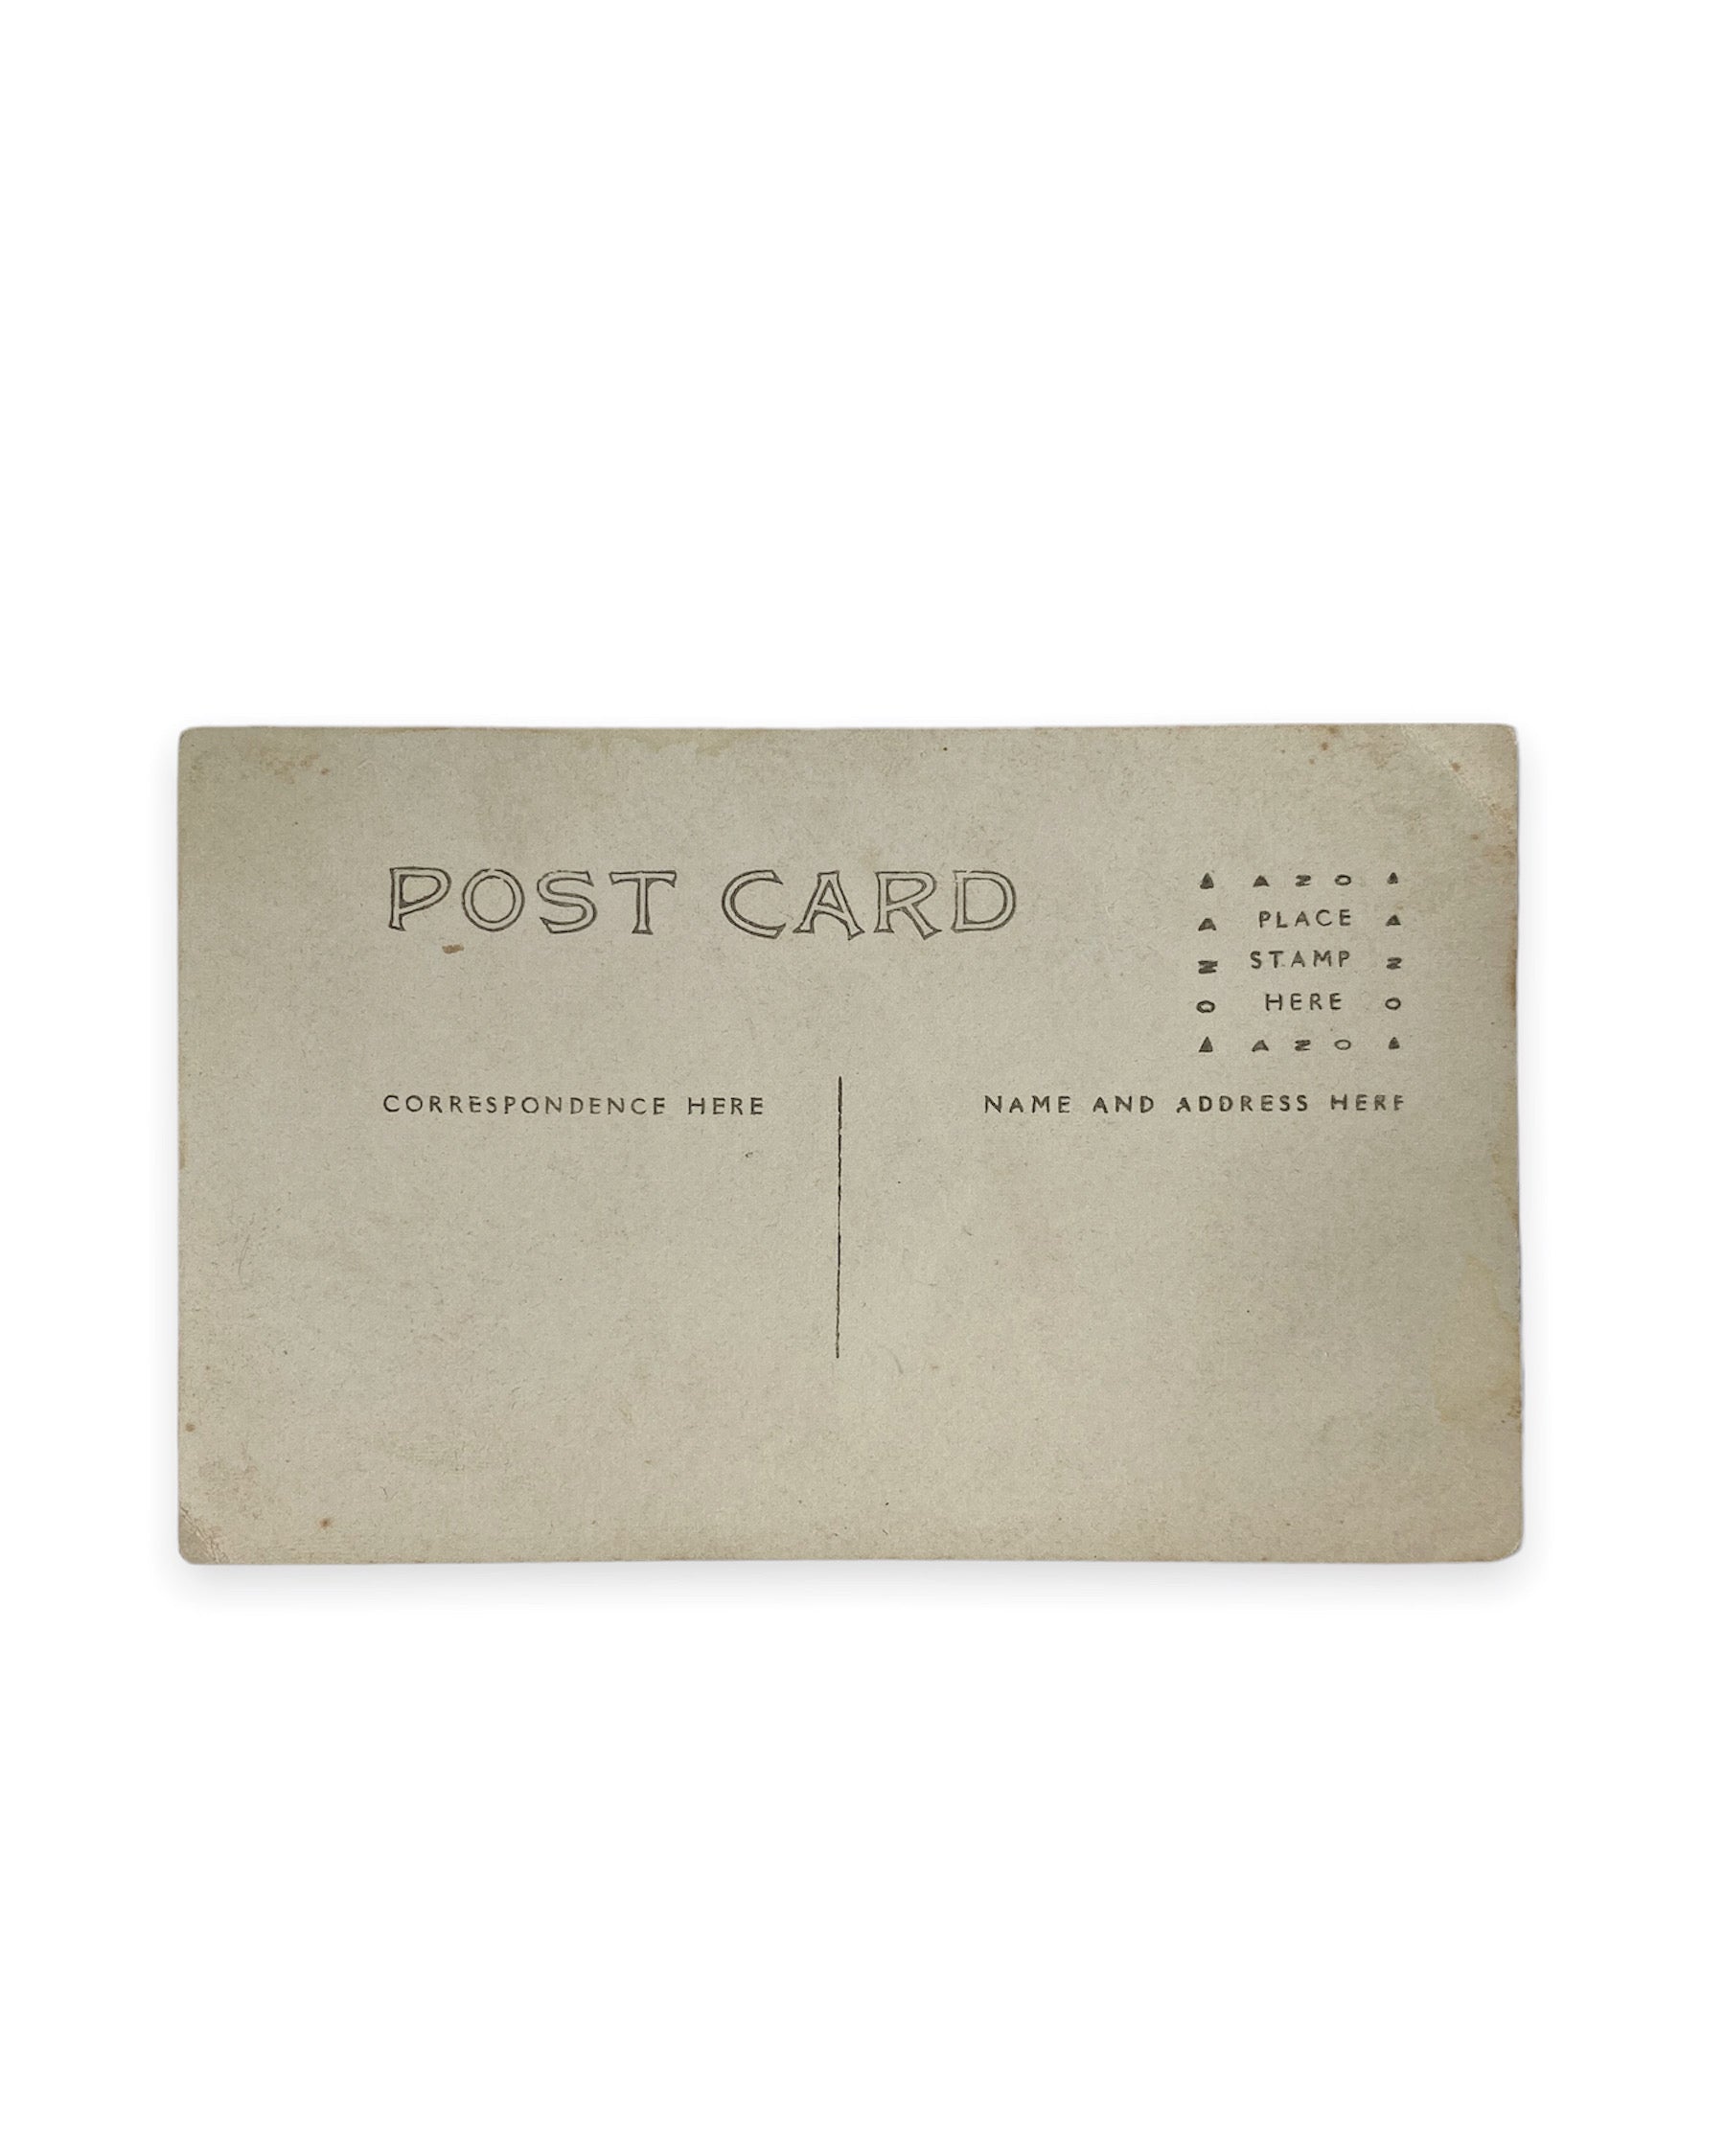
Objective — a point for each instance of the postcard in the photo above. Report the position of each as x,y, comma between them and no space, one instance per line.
1066,1143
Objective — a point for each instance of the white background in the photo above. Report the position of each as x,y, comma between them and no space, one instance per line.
900,362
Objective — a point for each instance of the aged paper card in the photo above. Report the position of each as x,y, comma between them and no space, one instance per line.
1064,1143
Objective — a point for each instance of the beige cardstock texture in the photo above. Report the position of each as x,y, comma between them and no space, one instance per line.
1027,1214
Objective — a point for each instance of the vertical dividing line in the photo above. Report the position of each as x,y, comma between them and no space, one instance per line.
839,1232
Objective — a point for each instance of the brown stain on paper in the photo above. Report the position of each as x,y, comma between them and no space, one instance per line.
1476,1361
287,769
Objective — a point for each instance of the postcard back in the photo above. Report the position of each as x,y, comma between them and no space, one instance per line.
1057,1143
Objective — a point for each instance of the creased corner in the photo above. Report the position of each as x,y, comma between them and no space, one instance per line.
199,1545
1438,742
